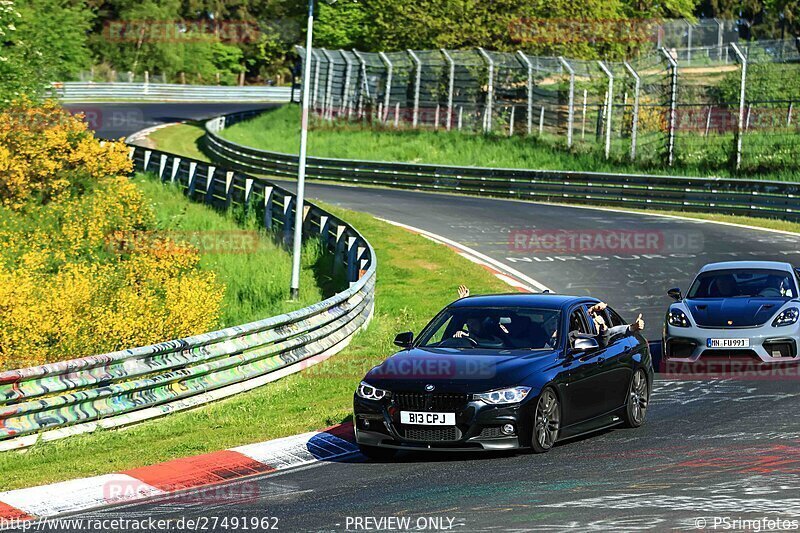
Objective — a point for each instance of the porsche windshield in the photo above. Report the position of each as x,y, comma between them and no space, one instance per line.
749,283
516,328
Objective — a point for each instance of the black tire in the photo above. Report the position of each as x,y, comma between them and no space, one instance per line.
638,398
546,421
376,453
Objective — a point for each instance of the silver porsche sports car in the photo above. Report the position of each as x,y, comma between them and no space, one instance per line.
745,309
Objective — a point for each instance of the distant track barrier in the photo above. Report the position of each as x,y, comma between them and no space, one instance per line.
771,199
167,92
110,390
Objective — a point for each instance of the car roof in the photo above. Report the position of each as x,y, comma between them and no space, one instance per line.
544,300
735,265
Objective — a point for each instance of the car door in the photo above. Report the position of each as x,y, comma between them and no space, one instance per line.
615,366
582,387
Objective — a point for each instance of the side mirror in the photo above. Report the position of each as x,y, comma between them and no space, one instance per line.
585,345
675,294
404,340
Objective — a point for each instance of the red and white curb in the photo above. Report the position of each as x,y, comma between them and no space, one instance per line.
503,272
178,478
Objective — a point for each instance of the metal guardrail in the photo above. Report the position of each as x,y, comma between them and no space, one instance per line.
773,199
160,92
114,389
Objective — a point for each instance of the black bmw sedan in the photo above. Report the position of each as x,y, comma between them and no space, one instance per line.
504,372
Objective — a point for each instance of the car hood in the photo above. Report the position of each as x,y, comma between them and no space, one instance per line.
453,370
733,312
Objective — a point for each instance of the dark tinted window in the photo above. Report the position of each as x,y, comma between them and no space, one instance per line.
493,328
743,283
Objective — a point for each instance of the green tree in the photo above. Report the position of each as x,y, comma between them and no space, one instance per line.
57,28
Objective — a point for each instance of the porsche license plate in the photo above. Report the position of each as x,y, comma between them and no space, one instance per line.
728,343
427,419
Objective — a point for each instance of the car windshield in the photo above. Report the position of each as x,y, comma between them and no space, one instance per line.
505,328
748,283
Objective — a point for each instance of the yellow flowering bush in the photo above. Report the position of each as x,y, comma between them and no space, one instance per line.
67,289
45,151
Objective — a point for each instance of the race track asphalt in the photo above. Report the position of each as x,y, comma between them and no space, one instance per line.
722,449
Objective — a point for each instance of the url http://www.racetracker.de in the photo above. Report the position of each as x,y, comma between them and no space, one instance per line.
194,523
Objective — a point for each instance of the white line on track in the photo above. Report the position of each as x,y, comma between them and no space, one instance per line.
515,275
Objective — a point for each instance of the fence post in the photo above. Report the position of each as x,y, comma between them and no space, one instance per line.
417,80
635,118
719,38
315,99
583,116
609,106
328,86
673,97
388,91
690,29
363,87
571,108
529,66
487,123
451,65
743,85
789,115
346,100
146,82
511,122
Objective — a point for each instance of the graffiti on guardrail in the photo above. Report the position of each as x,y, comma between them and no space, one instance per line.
110,390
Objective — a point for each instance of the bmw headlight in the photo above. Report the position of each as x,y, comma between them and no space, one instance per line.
496,397
786,317
678,319
368,392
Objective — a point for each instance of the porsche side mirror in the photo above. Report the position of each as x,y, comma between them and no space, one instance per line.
585,345
404,340
675,294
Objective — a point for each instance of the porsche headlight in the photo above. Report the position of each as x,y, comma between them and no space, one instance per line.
501,396
678,319
368,392
786,317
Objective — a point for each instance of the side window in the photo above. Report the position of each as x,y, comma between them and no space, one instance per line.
613,319
577,321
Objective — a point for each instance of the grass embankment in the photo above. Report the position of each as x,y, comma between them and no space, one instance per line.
415,279
180,139
278,130
253,269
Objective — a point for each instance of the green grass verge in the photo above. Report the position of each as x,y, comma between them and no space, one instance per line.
415,279
278,130
256,275
180,139
170,139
